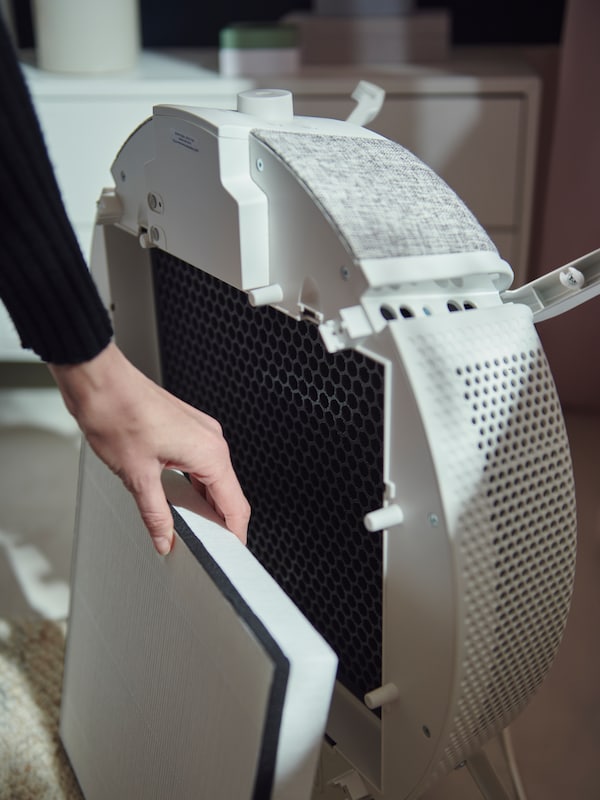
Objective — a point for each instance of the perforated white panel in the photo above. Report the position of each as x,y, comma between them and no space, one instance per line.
496,431
529,508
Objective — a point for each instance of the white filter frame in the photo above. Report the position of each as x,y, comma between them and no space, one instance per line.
191,675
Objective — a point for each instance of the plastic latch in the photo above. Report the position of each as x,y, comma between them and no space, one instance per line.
369,101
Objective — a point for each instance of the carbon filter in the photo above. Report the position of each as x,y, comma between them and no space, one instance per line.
305,430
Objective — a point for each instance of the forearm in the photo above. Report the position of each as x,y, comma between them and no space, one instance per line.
44,281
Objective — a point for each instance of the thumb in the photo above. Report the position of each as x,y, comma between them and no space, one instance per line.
156,515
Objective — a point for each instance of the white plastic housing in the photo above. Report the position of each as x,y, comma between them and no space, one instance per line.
327,232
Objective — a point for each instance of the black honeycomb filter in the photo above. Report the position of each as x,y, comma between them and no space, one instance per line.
305,429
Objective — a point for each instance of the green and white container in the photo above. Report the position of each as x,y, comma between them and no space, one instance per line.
247,49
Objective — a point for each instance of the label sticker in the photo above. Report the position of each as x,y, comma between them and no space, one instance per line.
184,140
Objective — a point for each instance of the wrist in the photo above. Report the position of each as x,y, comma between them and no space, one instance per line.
81,383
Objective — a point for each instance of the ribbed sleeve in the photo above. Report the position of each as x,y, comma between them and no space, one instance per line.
44,280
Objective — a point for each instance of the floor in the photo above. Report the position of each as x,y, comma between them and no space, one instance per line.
557,738
39,453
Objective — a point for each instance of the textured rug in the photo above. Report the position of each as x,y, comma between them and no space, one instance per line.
33,763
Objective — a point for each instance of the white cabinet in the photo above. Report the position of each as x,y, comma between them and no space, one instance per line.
474,121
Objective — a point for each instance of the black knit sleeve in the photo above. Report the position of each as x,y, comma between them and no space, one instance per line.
44,281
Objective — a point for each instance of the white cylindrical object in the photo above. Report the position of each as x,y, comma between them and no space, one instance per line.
249,49
382,518
272,105
381,696
265,295
86,36
260,62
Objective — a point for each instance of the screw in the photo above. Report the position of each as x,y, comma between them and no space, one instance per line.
572,278
426,731
345,273
152,201
259,164
434,520
154,233
123,175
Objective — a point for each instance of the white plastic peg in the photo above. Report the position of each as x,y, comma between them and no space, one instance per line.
381,696
272,105
385,517
265,295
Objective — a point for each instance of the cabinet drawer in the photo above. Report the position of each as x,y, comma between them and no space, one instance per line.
473,142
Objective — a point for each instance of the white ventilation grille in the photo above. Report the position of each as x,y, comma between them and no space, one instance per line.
497,428
529,509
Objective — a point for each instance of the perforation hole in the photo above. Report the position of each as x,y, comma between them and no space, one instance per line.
387,312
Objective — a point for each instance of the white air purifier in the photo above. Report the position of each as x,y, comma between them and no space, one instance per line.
395,425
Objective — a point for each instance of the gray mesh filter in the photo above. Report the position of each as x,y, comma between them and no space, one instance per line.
306,435
381,199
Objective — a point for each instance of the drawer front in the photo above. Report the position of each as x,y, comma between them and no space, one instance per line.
474,143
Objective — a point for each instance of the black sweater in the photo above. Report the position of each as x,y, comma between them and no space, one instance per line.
44,281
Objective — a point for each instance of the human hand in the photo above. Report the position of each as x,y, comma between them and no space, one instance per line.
138,429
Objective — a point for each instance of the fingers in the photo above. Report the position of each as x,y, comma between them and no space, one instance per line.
218,481
226,497
206,459
208,463
155,513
